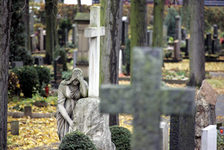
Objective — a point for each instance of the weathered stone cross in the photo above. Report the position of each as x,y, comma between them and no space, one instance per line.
94,32
145,100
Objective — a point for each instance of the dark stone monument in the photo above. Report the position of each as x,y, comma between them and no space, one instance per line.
215,41
146,100
17,64
124,35
208,43
38,60
149,38
177,54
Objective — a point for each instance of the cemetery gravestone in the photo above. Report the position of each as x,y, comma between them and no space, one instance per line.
146,98
215,41
38,60
82,22
209,138
17,64
165,135
177,39
209,43
94,32
149,38
124,36
87,117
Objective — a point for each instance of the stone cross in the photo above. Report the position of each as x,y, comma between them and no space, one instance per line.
94,32
145,100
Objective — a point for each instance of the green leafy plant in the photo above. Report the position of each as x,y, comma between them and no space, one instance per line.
13,84
76,141
28,78
121,137
44,76
63,60
170,21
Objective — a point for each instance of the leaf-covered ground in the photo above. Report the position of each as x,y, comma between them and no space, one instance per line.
41,132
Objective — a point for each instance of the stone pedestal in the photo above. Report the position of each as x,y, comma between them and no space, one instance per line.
88,120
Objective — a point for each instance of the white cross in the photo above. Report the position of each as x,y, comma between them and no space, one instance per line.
94,32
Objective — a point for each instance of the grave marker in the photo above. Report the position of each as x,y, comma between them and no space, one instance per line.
177,39
209,138
94,32
41,39
145,100
165,135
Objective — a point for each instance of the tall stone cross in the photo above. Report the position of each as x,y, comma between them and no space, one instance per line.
145,100
94,32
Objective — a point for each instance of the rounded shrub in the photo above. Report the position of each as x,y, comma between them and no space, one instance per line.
76,141
121,137
43,75
28,79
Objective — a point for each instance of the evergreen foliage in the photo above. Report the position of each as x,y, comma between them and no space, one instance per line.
28,79
170,21
121,137
18,51
76,141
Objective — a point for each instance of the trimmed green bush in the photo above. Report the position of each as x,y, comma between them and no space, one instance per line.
28,79
63,60
76,141
170,21
121,137
44,76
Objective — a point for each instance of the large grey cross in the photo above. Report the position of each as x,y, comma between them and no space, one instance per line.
145,100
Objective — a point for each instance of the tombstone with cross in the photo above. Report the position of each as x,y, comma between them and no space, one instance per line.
94,32
145,100
87,117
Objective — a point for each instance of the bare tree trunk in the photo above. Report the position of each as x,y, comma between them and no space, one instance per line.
158,23
185,14
5,23
138,25
111,15
79,6
26,19
197,50
51,36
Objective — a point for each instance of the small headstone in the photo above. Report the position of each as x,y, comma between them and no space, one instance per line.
165,135
17,64
177,56
15,127
215,41
28,111
209,138
149,38
33,42
38,60
209,43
